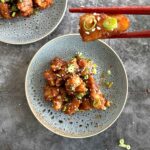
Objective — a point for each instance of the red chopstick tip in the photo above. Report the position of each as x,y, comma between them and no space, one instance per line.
136,10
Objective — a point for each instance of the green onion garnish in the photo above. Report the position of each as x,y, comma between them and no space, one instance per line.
14,8
86,77
95,65
79,54
108,84
58,75
66,99
123,145
71,68
79,96
64,108
13,14
89,23
96,103
110,24
109,72
94,71
3,1
72,88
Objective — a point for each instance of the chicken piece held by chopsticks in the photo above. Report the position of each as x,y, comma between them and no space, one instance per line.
101,26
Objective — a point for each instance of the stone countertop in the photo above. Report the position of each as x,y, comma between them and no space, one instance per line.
19,130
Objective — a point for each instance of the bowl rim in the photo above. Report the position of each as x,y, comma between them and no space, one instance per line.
42,37
51,129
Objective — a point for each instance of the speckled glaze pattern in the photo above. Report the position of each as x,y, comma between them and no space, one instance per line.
82,124
28,30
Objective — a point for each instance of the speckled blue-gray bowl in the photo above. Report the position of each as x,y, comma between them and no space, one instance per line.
82,124
28,30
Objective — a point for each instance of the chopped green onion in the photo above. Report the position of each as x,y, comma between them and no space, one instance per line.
121,141
95,65
71,68
94,71
36,11
79,96
110,23
96,103
14,8
3,1
58,75
86,21
109,72
66,99
72,88
123,145
86,77
109,84
79,54
64,108
13,14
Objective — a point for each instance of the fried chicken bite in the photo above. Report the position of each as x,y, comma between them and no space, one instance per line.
25,7
43,3
102,26
5,11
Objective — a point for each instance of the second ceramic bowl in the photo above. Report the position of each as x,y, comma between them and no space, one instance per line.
28,30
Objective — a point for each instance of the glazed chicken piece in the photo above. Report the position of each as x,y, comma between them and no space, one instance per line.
52,78
43,3
101,26
97,98
72,83
57,64
58,103
86,66
71,107
81,88
25,7
86,104
5,11
50,92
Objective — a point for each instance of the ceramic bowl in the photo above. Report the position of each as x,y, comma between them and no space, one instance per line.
28,30
81,124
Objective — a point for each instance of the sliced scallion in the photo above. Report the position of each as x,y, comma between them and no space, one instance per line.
13,14
3,1
110,23
86,77
71,68
14,8
89,23
123,145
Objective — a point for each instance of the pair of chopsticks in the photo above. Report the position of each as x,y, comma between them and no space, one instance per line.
132,10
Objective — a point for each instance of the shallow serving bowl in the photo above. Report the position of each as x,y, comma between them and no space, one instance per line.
28,30
82,124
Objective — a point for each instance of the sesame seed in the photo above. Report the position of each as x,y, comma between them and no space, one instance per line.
98,18
98,28
87,33
94,14
93,29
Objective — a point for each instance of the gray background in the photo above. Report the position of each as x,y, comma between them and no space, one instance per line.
19,130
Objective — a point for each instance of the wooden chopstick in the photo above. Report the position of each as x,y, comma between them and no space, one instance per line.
139,34
134,10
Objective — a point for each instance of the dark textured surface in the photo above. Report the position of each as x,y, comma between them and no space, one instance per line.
19,130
